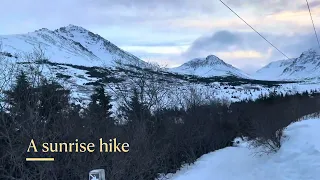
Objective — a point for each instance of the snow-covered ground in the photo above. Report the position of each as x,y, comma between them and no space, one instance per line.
297,159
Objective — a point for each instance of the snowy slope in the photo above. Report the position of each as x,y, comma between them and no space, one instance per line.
208,67
70,44
82,79
273,70
297,159
304,67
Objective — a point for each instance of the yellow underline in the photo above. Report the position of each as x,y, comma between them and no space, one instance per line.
39,159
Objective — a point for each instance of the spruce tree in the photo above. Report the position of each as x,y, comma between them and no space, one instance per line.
98,118
21,100
135,111
100,107
21,95
53,99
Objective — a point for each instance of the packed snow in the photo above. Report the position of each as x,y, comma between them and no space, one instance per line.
297,159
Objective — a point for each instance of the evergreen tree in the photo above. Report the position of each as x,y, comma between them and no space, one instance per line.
21,95
53,99
100,108
135,111
21,101
98,118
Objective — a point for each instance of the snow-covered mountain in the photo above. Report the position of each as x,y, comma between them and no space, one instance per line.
209,67
306,66
71,44
78,46
81,60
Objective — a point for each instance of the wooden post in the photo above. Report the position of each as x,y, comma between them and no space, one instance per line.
97,174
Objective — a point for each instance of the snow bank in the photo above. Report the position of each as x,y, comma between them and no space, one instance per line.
297,159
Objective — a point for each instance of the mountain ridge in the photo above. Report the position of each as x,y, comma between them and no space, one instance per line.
306,66
77,45
74,43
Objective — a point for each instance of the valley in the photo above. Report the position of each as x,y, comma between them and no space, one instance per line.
82,60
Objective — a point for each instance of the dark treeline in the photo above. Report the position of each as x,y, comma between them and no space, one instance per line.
160,141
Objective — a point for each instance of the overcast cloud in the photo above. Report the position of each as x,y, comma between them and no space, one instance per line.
171,32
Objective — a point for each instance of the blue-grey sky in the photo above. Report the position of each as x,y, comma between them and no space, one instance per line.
171,32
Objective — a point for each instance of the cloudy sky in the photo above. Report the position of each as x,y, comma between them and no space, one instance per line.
171,32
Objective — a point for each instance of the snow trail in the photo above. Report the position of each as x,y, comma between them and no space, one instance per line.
297,159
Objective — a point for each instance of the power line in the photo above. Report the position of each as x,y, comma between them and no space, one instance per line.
254,29
314,28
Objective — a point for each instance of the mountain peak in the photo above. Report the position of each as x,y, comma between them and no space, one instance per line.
310,55
208,67
214,59
210,60
43,30
72,28
309,52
